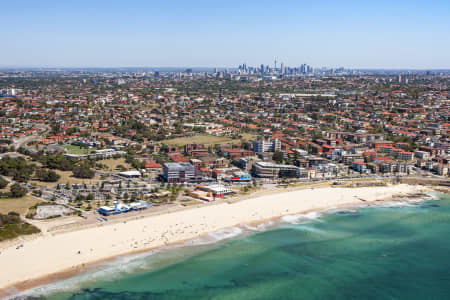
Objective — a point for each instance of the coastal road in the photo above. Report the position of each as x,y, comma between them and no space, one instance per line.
23,141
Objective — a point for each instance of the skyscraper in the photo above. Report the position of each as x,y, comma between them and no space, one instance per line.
303,69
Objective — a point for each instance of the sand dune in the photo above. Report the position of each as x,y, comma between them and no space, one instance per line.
50,254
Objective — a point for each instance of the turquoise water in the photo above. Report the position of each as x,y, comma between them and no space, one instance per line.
374,253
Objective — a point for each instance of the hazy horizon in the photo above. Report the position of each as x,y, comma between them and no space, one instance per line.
196,68
353,34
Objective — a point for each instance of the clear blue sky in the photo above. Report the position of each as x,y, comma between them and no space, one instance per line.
371,34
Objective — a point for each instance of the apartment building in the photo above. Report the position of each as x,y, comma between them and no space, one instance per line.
178,172
270,170
266,145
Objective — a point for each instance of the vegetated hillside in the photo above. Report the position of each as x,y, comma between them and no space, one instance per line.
12,226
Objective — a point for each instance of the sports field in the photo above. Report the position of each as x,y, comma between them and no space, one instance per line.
73,149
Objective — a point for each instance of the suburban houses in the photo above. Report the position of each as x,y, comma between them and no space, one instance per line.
128,136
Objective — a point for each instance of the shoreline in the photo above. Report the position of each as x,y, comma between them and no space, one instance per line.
78,265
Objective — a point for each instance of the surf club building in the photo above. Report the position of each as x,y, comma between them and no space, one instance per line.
210,192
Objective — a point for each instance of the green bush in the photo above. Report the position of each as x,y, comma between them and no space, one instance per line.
17,191
12,226
17,168
3,182
83,171
47,175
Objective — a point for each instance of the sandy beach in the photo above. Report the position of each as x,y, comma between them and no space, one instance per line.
51,254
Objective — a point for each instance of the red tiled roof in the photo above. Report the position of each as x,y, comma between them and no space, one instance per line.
153,165
380,158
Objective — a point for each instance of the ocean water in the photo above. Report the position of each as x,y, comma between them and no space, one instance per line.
394,252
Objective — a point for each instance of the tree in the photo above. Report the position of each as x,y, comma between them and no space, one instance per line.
55,128
83,171
47,175
133,197
17,191
3,182
316,135
278,156
71,130
17,168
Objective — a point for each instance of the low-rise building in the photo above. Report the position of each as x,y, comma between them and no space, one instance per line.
422,154
270,170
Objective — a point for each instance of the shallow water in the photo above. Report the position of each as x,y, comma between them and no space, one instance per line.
395,252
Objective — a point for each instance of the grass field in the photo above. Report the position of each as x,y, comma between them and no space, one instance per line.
72,149
66,177
113,163
19,205
206,140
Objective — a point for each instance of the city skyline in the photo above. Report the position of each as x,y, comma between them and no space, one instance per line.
382,35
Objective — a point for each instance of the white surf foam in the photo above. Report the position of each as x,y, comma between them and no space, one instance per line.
113,269
259,227
226,233
397,204
300,218
216,236
435,195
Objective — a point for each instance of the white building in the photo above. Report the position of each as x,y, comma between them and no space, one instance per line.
266,145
